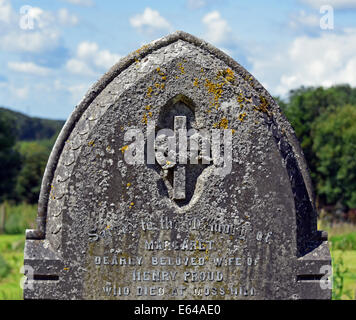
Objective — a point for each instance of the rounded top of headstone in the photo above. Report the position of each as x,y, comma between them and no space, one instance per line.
120,67
179,167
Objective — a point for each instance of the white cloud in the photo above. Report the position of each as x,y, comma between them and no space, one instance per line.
45,19
217,28
304,20
35,42
89,51
11,91
42,18
20,93
196,4
78,91
149,21
106,59
199,4
323,61
90,60
28,67
85,3
18,35
336,4
5,11
79,67
65,18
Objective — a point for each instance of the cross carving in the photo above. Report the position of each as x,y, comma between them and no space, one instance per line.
180,131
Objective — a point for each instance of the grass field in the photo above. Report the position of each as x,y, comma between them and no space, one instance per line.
348,258
11,251
342,241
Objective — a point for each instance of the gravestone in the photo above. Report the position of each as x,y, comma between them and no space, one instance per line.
177,177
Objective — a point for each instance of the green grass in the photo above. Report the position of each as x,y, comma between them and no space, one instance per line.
337,229
344,242
17,218
348,260
11,249
14,220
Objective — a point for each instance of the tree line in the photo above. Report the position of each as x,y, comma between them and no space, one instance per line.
25,145
324,120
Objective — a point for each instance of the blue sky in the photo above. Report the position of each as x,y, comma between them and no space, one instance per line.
51,52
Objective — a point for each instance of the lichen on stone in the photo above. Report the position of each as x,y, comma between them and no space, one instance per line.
223,124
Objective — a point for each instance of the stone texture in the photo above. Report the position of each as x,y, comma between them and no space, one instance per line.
109,230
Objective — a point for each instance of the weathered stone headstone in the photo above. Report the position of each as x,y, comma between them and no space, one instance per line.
177,177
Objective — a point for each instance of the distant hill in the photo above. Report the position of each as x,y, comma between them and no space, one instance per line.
28,128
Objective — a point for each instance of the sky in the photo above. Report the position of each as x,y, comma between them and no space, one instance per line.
51,52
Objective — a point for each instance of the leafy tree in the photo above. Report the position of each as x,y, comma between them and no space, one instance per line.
34,160
9,159
334,145
27,128
306,105
303,109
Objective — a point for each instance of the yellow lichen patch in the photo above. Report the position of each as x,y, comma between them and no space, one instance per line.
242,116
148,107
230,76
124,148
158,85
233,131
150,114
223,124
144,118
128,184
91,143
263,106
131,205
227,74
181,67
138,52
66,269
240,98
161,73
215,89
196,83
149,92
